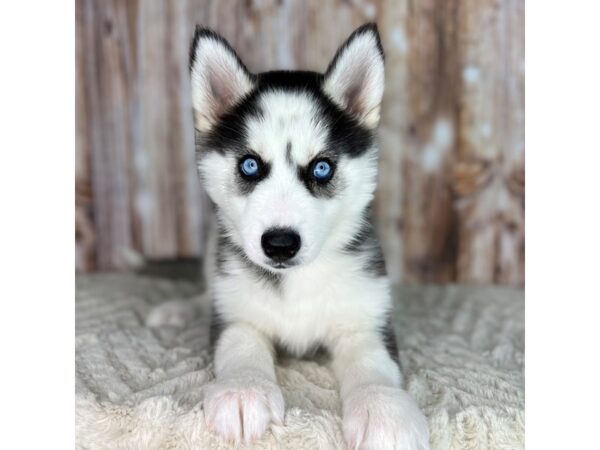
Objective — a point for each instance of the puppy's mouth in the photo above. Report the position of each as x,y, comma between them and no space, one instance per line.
281,265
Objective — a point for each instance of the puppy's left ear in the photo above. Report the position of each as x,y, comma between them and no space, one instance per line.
354,78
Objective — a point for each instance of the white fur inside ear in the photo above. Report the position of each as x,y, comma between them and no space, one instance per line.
219,81
355,79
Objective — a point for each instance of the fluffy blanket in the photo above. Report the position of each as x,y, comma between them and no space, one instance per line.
140,387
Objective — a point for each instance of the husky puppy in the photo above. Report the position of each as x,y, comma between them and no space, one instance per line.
289,159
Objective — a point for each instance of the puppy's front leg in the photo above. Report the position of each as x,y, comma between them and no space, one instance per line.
378,414
245,397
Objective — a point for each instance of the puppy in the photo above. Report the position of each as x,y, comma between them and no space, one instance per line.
289,159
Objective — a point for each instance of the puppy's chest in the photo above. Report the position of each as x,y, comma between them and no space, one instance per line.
307,308
299,316
300,309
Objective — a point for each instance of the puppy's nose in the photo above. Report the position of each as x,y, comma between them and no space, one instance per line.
280,244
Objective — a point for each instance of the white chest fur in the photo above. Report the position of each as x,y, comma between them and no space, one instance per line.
310,305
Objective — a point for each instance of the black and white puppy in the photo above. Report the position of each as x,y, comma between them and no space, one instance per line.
289,159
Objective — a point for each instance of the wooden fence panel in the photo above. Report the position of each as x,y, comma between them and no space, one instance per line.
450,205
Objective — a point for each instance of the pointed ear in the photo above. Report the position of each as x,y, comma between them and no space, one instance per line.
354,78
219,78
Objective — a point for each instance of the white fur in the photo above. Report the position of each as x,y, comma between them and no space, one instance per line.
243,407
382,417
326,302
328,298
356,80
245,399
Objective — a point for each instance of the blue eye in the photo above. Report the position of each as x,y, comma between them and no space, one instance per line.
322,170
250,167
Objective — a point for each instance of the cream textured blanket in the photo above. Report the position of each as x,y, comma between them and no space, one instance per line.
461,350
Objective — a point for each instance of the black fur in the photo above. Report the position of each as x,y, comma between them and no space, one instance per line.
288,154
217,325
365,234
389,338
376,265
346,135
229,134
365,241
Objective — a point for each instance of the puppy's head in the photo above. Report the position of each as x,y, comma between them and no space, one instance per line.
288,157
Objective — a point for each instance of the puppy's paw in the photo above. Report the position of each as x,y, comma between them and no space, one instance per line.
382,418
243,407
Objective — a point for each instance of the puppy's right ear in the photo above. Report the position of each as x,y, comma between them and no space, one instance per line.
219,78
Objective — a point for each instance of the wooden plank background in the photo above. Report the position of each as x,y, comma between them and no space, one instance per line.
450,206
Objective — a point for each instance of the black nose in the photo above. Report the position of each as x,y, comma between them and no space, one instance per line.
280,244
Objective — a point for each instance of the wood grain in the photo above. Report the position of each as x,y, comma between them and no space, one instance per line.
450,205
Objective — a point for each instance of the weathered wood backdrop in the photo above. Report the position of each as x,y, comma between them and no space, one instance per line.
451,199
